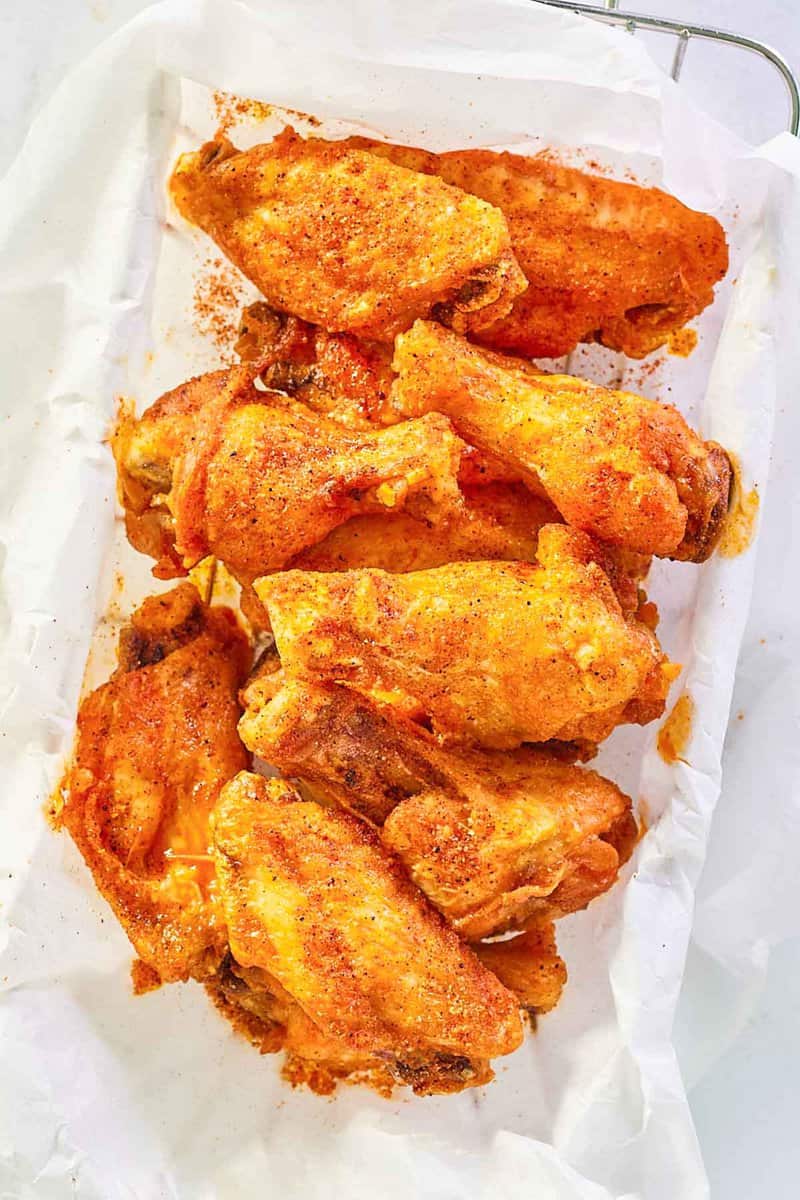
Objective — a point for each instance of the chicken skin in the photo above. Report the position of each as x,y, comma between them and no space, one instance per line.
256,479
499,520
624,469
606,261
347,240
155,746
336,374
496,653
312,899
264,1012
493,839
528,965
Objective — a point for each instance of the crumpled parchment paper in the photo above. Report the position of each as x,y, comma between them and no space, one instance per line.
105,1097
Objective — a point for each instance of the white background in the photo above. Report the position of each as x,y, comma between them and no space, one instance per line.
746,1105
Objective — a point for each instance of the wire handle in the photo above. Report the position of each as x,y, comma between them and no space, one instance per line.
684,31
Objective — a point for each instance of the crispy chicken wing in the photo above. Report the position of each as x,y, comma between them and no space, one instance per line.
528,965
606,261
312,898
347,240
497,653
255,479
490,837
491,866
155,745
627,470
499,520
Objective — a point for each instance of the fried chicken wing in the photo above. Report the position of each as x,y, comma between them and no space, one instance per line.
499,520
491,866
492,838
312,898
347,240
155,745
255,479
627,470
528,965
606,261
497,653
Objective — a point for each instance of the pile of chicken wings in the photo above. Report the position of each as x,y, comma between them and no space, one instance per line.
355,809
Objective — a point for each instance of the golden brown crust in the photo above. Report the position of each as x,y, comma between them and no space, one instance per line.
155,745
496,653
606,261
495,521
346,240
313,899
622,468
529,965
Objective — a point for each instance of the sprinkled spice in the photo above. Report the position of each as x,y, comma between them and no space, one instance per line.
220,293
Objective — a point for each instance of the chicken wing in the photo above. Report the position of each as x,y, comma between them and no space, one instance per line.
627,470
347,240
256,479
496,653
499,520
312,898
606,261
528,965
155,745
490,837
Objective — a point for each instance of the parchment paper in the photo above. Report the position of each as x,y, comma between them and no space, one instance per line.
104,1096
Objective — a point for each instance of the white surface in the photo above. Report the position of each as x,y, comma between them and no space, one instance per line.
744,1153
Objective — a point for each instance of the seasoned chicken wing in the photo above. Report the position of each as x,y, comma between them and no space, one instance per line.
496,653
312,899
627,470
155,745
256,479
491,866
498,520
606,261
528,965
347,240
492,838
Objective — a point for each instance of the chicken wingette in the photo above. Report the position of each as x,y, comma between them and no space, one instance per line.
627,470
313,899
219,467
494,839
347,240
497,653
155,745
606,261
528,965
